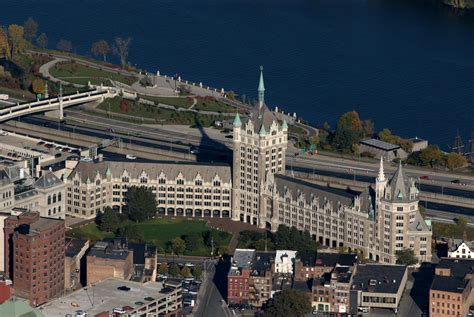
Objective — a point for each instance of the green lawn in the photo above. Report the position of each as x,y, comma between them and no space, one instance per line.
160,231
160,115
90,231
179,102
211,104
80,74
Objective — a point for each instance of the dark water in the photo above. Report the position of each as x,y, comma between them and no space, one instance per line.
408,65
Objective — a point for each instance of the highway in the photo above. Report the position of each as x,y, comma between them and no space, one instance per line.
216,148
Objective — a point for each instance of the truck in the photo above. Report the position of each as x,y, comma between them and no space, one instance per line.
4,97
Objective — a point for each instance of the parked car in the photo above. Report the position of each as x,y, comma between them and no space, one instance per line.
131,157
424,177
455,181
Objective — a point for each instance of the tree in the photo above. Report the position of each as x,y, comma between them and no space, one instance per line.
163,269
387,136
290,302
121,49
191,241
455,160
406,257
369,128
141,203
4,44
37,85
15,39
349,130
31,27
287,238
185,271
42,40
178,245
134,233
109,220
64,45
431,155
173,270
197,272
100,48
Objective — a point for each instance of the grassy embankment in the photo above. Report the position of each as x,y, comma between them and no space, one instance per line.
159,232
159,115
81,74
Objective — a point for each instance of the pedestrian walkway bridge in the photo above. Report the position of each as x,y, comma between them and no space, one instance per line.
56,103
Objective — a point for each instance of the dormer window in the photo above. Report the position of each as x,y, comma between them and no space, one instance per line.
180,182
198,182
143,180
125,179
162,181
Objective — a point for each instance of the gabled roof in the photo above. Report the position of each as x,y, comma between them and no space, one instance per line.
48,180
399,186
261,117
16,307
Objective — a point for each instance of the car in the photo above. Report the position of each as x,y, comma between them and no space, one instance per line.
123,288
193,150
189,264
58,155
40,143
364,309
131,157
455,181
3,133
424,177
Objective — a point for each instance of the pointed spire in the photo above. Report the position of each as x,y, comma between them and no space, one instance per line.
284,125
381,177
237,122
108,172
262,131
261,89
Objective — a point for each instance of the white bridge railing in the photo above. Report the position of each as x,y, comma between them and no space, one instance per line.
57,103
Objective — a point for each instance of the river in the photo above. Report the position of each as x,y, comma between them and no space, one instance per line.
407,65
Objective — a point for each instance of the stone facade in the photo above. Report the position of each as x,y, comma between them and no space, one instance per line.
181,189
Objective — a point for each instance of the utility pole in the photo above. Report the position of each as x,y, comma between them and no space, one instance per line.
212,246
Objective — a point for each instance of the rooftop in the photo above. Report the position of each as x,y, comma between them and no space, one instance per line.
459,267
104,296
262,263
331,259
189,170
16,307
379,278
452,284
115,249
380,144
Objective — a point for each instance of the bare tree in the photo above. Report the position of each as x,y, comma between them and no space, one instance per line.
30,27
65,46
121,49
100,48
42,40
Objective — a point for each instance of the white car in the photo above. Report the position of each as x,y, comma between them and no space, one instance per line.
4,97
131,157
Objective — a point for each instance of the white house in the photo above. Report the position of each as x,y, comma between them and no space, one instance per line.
462,250
285,261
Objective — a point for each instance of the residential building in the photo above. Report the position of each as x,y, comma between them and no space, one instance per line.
121,298
380,149
461,249
34,256
144,261
74,263
238,278
451,292
285,261
181,188
315,264
108,259
377,286
5,290
260,281
330,292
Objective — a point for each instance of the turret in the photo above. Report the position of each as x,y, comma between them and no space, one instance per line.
380,183
261,89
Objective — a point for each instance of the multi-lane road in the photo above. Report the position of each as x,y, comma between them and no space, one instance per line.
216,146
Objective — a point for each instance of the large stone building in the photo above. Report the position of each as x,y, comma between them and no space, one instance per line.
182,188
379,221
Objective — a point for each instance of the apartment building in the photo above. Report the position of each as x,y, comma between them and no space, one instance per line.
451,292
34,256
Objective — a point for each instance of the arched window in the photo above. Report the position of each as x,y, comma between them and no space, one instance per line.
59,196
198,182
49,200
162,181
180,182
54,198
125,179
143,180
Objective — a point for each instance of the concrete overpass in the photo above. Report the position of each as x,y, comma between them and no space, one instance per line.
57,103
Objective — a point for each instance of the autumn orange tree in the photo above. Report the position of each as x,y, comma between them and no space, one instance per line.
37,85
349,130
100,48
15,39
4,46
